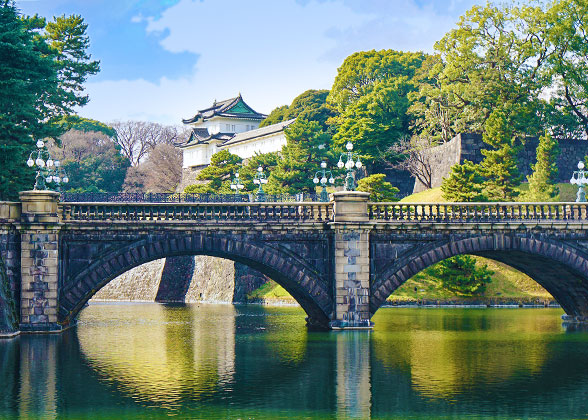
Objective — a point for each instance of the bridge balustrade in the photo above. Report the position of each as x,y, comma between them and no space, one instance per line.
145,212
477,212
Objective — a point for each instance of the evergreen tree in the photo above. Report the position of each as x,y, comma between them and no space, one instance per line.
464,184
223,166
41,75
543,180
378,187
461,275
307,145
269,162
499,166
26,74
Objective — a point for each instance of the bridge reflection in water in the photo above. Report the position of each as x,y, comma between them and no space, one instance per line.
214,361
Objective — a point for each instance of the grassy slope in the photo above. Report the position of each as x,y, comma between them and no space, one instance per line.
507,283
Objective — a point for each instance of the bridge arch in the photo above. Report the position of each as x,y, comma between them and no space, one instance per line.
558,267
306,285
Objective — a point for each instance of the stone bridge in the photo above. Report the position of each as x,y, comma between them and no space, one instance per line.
339,260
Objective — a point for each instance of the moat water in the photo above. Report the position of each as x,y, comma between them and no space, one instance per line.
137,361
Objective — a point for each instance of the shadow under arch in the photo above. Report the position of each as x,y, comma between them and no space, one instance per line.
303,282
559,268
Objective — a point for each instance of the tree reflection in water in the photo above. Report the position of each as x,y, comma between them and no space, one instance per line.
220,361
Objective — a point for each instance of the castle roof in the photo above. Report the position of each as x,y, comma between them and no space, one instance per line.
202,136
232,108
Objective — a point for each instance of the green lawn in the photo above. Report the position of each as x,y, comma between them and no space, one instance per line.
567,192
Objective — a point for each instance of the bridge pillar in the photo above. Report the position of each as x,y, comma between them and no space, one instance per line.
352,261
39,232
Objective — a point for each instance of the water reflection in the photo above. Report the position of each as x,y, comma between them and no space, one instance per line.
217,361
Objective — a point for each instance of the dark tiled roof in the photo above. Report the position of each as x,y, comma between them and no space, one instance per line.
201,135
259,132
224,108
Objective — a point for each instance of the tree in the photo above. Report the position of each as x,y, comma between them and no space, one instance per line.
67,36
310,105
464,184
543,180
161,172
277,115
138,138
378,187
38,88
493,59
460,274
25,75
92,161
499,166
415,158
306,147
370,93
568,64
269,162
223,165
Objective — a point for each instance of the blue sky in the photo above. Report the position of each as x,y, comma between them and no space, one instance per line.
163,60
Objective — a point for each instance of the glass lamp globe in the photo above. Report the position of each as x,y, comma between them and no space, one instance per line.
340,164
40,143
358,164
65,180
331,180
315,180
30,163
323,180
56,163
580,165
49,179
233,187
349,146
49,163
264,181
323,165
260,169
40,162
256,181
349,164
56,179
237,175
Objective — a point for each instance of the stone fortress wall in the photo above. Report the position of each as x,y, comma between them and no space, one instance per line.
469,147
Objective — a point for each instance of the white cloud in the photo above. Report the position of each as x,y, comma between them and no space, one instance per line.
269,50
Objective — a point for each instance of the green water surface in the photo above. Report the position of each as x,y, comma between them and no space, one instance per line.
142,361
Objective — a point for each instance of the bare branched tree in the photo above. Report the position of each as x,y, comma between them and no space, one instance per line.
417,158
138,138
161,171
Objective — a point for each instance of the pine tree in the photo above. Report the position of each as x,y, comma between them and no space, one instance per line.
223,166
543,180
464,184
499,166
26,74
307,146
378,187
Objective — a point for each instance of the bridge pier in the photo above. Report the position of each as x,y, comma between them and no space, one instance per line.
39,234
352,261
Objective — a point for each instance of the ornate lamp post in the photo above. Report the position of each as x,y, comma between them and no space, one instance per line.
350,164
579,179
237,186
260,179
323,180
48,170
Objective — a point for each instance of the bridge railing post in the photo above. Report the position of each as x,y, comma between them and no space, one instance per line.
352,262
39,235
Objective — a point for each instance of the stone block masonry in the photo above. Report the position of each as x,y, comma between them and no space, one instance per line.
39,236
